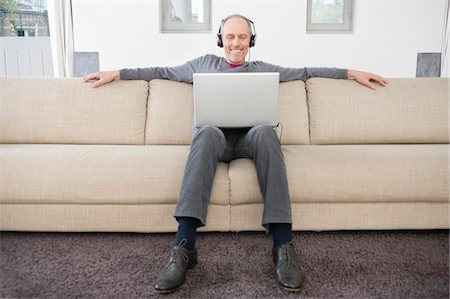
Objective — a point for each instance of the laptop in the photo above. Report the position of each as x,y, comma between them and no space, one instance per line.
235,100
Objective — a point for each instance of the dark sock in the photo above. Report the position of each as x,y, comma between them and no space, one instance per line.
187,227
281,233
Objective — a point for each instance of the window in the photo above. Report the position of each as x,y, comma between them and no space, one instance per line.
185,15
23,18
329,16
25,48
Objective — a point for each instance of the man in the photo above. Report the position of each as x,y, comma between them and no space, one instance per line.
211,144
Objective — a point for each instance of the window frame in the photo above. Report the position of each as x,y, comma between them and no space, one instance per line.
345,27
167,26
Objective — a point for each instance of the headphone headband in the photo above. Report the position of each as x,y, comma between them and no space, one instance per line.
250,25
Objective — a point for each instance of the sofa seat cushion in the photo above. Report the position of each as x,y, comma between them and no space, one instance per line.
353,173
97,174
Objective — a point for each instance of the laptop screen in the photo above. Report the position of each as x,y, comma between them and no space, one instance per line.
233,100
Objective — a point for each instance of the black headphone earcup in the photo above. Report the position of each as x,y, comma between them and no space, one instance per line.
252,40
219,40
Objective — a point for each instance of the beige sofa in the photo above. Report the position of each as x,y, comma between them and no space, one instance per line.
74,158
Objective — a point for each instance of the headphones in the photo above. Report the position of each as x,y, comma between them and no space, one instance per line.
250,23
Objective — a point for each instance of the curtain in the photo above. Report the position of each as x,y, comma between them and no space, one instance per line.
445,43
61,36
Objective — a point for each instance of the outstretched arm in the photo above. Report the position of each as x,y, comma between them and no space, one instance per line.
102,77
365,78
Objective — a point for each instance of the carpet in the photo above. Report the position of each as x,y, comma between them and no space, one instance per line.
343,264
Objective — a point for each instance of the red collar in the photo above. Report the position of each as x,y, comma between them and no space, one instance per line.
233,65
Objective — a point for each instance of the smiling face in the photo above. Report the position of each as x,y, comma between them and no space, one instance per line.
236,39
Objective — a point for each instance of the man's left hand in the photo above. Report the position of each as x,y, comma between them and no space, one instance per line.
365,78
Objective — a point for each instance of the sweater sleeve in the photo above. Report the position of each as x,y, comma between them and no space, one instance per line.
290,74
181,73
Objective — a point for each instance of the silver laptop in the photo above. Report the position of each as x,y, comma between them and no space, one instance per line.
235,100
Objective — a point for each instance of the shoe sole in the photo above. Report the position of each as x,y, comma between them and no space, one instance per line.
291,289
177,288
166,291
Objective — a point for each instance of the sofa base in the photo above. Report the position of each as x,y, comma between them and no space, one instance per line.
352,216
158,218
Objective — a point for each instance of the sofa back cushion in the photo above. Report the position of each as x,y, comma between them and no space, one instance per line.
405,111
170,110
56,110
170,113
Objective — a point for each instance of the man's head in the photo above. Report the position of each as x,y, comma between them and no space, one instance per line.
236,36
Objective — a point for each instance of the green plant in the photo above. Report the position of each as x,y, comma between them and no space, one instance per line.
9,15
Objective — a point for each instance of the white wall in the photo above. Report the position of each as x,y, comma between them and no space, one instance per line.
387,35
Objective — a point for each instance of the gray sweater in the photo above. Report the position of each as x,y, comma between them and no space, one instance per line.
215,64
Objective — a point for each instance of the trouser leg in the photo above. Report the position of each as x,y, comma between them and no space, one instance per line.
208,146
262,145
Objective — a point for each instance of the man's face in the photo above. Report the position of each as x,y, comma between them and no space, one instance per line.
236,40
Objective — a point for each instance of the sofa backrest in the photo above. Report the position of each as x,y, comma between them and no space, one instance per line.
170,113
405,111
55,110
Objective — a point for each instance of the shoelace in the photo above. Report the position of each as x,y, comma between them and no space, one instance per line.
176,251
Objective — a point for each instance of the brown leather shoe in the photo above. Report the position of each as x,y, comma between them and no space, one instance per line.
172,276
289,274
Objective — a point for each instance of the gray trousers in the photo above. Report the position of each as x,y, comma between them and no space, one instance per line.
210,145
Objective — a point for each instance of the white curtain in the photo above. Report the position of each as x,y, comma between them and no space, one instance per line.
61,36
445,43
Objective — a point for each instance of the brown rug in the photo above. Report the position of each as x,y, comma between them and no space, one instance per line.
349,264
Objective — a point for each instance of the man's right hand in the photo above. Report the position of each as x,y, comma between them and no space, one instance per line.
102,77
